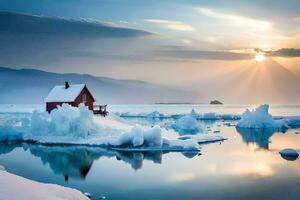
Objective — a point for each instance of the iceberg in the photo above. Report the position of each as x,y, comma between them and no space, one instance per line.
187,124
260,118
139,137
260,137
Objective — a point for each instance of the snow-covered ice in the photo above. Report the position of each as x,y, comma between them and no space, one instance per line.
14,187
71,125
260,118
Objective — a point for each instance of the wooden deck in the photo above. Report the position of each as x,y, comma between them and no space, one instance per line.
100,110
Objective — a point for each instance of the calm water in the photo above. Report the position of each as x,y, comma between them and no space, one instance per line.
246,166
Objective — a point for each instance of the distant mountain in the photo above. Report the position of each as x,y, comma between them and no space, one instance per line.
32,86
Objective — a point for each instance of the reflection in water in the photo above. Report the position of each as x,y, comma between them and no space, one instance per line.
288,158
70,162
258,136
7,147
135,159
207,177
76,161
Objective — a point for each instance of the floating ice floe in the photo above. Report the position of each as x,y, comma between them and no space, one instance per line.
289,154
151,115
260,118
71,125
203,138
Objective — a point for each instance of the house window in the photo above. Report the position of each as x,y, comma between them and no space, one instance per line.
84,98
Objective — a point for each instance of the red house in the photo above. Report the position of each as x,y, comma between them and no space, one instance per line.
71,94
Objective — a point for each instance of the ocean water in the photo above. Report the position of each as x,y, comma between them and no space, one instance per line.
245,166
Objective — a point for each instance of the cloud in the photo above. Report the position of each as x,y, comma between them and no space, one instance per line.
180,53
25,24
31,40
172,25
237,20
284,52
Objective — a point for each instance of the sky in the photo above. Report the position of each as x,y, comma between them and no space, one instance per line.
235,51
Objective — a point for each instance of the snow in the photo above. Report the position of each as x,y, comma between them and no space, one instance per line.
289,152
15,187
2,168
60,94
260,118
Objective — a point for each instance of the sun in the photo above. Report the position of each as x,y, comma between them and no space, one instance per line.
259,57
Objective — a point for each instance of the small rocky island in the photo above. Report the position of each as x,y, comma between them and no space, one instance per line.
216,102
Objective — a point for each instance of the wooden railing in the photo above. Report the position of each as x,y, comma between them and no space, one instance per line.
100,110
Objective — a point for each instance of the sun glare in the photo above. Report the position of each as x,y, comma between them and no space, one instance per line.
259,57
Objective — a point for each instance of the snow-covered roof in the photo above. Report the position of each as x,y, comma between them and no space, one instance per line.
60,94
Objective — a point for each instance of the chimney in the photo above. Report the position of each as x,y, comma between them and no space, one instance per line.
67,85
